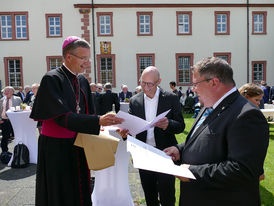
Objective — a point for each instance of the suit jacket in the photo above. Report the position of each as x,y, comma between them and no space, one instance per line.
21,95
271,95
122,96
167,100
226,154
106,100
28,97
16,101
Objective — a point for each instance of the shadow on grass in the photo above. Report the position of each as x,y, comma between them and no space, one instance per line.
267,197
271,132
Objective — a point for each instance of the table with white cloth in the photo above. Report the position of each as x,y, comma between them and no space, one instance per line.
24,132
268,106
124,106
111,184
268,113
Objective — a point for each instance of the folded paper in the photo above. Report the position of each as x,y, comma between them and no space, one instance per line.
136,125
99,149
146,157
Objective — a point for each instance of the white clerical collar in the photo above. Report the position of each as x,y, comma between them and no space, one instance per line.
69,70
155,96
224,96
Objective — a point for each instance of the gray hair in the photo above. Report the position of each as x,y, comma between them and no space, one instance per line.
215,67
108,85
10,88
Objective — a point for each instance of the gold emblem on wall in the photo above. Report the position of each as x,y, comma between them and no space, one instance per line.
105,47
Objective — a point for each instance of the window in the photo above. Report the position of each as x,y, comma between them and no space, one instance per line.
258,71
143,61
184,22
222,19
54,25
144,23
13,69
106,69
104,24
224,55
259,22
184,62
54,62
14,26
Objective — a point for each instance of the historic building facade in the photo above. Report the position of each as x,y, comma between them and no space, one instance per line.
127,36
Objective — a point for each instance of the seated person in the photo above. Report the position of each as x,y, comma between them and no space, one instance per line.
124,94
189,104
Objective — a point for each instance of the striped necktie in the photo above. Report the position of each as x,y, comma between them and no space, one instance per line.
202,119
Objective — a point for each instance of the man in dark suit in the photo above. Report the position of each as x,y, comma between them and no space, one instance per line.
158,188
124,94
20,93
107,99
29,94
227,151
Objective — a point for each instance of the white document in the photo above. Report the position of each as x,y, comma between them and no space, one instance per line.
150,158
136,125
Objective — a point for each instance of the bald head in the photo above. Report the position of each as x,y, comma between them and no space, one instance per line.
152,71
150,80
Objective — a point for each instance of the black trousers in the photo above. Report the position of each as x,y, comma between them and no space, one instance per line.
7,131
158,188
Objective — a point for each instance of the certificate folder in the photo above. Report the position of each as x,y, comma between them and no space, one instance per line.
99,149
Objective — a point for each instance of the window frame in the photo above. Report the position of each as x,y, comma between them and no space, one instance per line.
264,13
47,25
177,55
13,26
99,14
150,14
138,56
6,59
189,13
227,13
51,57
264,70
228,54
112,56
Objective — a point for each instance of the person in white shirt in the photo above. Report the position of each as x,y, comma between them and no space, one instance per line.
158,188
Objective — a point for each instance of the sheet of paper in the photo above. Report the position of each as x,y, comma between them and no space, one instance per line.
160,116
150,158
134,124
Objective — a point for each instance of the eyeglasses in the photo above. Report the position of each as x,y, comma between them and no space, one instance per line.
149,84
85,59
194,84
99,88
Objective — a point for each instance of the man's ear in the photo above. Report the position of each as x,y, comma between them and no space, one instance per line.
160,80
215,81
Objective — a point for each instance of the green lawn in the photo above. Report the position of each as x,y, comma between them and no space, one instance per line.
266,186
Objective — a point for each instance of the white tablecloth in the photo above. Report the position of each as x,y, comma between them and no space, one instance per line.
24,131
111,184
124,106
268,113
268,106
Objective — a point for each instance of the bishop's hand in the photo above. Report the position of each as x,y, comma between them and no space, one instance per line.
110,119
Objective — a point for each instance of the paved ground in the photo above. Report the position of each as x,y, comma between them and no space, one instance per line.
17,186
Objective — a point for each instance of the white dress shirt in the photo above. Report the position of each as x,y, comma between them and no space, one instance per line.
151,106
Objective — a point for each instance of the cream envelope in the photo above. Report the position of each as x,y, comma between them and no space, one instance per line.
99,149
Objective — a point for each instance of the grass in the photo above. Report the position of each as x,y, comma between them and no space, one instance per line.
266,186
